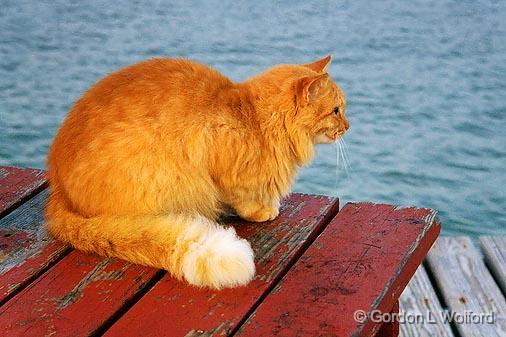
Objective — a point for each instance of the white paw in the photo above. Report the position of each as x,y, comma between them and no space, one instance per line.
218,260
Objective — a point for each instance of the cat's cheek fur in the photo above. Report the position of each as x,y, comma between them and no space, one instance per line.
218,259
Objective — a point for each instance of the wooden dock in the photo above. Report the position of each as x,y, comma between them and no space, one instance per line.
457,278
303,287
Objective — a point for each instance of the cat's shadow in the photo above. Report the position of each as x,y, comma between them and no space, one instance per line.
231,218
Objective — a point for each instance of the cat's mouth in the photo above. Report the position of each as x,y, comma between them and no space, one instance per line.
328,137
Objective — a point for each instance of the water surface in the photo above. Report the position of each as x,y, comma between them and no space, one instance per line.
425,82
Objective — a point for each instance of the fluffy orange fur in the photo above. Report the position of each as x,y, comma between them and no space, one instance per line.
152,154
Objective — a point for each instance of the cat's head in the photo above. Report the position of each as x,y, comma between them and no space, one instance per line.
310,101
320,104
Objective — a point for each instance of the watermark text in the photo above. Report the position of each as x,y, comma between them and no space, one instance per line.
429,317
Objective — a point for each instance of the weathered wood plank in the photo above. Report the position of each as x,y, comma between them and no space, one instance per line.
362,261
467,287
18,184
172,308
25,247
494,249
75,297
420,300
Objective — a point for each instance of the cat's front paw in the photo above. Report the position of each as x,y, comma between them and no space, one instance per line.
262,215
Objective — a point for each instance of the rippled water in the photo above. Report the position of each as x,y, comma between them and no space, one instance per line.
426,82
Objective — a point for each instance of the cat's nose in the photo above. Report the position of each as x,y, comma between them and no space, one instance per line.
346,125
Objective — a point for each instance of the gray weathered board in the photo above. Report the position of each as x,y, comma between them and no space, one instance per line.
421,309
468,288
494,249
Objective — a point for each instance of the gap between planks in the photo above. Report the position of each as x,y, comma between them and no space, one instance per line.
464,284
494,250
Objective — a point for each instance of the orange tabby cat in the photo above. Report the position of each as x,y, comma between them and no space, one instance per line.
152,154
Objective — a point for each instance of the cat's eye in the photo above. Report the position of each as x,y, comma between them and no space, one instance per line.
336,110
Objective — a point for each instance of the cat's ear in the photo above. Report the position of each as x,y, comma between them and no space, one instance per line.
308,88
320,66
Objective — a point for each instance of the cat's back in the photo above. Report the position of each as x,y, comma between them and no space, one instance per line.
143,94
129,110
166,71
154,81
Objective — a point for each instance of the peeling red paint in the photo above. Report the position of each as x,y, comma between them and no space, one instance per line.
31,250
11,241
25,249
17,184
339,274
203,312
73,298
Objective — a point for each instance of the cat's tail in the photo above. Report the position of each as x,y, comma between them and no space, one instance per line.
190,247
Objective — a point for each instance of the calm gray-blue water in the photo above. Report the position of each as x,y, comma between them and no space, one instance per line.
426,84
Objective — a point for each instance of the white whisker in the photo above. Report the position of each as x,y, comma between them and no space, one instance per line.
343,160
337,165
344,154
348,156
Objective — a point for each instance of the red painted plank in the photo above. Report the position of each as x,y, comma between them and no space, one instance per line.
75,297
362,261
25,248
171,308
18,184
390,328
